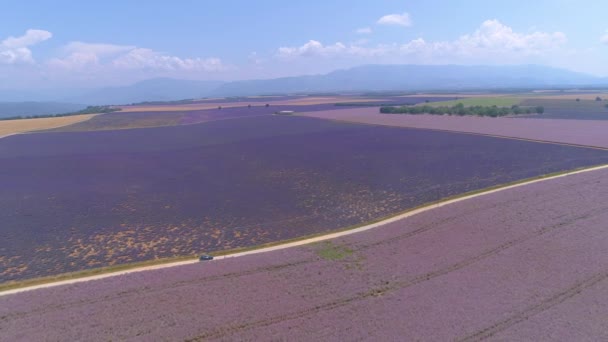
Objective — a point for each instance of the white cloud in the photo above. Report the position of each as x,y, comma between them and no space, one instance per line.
604,38
396,19
97,49
141,58
31,37
364,30
16,49
79,55
493,35
493,42
93,55
311,48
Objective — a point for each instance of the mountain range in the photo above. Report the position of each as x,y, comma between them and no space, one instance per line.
374,78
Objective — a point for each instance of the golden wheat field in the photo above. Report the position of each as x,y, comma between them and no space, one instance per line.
9,127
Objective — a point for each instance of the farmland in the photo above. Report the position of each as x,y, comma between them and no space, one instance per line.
130,120
527,263
191,112
80,200
28,125
499,101
577,132
589,109
243,101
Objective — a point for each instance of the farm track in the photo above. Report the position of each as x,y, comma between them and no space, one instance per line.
132,292
537,308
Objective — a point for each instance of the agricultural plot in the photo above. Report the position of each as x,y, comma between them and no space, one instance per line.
527,263
569,109
240,102
396,101
499,101
129,120
577,132
29,125
75,201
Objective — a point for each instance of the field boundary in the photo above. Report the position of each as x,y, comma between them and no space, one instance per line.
10,134
166,263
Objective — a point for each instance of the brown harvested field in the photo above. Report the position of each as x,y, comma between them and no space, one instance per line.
212,105
587,132
9,127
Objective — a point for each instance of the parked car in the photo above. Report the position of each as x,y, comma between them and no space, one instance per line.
205,257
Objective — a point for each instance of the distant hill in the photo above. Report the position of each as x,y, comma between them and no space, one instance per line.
158,89
8,109
415,78
358,79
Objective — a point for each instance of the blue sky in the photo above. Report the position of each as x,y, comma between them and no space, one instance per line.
93,43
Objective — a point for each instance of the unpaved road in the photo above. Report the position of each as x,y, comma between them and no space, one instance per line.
524,263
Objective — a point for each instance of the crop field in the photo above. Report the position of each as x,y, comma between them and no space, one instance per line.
128,120
499,101
569,109
395,101
577,132
528,263
9,127
81,200
567,95
240,102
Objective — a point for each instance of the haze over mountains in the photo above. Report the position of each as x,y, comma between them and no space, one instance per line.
357,79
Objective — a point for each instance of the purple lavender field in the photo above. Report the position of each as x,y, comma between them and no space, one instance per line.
79,200
128,120
527,263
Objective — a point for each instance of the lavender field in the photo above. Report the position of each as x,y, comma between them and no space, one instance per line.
129,120
576,132
527,263
569,109
79,200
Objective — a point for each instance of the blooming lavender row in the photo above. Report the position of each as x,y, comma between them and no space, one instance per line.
527,263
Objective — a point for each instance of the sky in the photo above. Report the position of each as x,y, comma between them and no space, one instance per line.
87,44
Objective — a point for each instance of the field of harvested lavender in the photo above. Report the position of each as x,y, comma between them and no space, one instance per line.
527,263
79,200
570,131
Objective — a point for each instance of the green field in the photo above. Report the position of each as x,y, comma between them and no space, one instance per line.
499,101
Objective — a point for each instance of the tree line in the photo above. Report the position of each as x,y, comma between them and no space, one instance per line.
460,109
